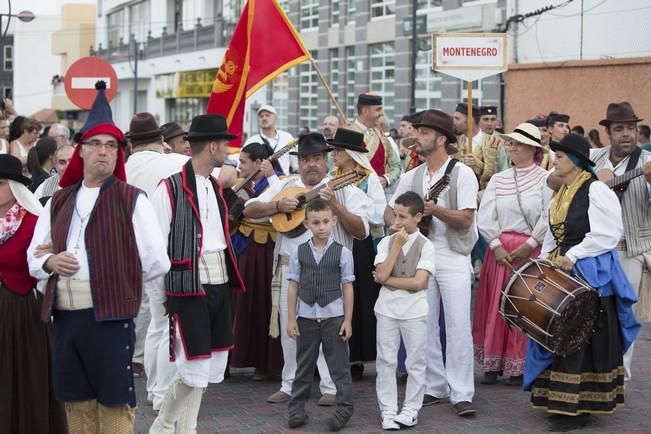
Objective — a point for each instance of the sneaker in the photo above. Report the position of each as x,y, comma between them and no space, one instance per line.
278,397
464,408
328,400
406,419
431,400
296,420
388,423
335,424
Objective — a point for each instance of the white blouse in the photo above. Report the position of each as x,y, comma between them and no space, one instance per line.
500,211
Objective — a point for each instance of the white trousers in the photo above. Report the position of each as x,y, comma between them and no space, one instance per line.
289,350
199,372
633,268
142,324
414,336
160,371
456,378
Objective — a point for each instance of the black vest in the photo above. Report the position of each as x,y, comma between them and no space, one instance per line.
320,283
577,222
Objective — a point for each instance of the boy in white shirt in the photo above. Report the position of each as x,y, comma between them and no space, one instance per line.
404,263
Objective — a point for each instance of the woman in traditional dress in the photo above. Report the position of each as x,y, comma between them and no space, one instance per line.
253,243
27,402
585,225
512,219
349,155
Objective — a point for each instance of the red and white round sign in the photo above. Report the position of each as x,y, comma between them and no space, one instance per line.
81,78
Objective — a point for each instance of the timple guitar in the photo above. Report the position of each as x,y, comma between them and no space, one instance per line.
608,177
291,223
433,194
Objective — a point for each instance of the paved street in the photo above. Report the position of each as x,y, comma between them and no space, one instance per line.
238,406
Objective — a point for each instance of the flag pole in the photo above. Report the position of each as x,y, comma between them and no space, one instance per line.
342,115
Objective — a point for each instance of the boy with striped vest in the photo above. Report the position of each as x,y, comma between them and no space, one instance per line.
318,270
404,263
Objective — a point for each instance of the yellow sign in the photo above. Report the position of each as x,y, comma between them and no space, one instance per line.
195,84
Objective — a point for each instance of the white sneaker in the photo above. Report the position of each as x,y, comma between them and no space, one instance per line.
406,419
388,424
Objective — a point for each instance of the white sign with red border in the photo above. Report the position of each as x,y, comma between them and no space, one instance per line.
469,56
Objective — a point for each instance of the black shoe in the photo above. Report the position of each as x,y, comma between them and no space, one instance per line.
296,420
357,371
514,380
335,424
464,409
431,400
489,378
564,423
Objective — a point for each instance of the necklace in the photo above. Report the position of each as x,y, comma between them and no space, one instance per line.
82,227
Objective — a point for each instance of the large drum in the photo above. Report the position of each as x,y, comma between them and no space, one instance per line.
555,309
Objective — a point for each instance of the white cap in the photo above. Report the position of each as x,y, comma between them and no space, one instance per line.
267,108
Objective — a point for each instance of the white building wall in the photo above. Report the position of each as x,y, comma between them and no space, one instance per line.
611,29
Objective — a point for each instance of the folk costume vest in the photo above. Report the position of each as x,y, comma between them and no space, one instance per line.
406,265
320,283
185,240
379,148
113,260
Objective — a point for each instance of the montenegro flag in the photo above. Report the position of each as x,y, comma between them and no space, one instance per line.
264,44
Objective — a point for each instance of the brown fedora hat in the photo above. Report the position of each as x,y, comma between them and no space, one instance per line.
144,129
619,112
438,120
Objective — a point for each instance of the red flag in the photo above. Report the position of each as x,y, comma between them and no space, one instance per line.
264,44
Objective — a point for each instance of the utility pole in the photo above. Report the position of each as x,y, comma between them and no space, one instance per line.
414,55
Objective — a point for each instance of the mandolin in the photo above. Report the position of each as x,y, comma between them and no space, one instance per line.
290,224
613,182
237,196
433,194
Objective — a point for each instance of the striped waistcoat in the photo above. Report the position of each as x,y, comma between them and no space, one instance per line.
185,240
113,260
636,209
320,283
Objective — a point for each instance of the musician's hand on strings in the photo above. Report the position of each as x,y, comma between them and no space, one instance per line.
328,195
502,256
566,264
287,205
469,160
430,206
646,170
267,168
521,253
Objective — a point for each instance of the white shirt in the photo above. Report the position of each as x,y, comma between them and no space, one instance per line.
145,169
606,226
400,303
279,141
467,188
375,193
500,210
150,243
351,197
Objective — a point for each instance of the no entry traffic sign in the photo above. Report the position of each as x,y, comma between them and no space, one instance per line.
81,78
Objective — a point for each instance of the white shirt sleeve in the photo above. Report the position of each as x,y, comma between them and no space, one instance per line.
540,228
378,198
606,226
467,188
382,251
487,222
42,235
162,207
404,185
426,261
152,247
357,203
268,195
549,243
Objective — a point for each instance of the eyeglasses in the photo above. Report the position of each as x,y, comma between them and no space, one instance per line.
96,144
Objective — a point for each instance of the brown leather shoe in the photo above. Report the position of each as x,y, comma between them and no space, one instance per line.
278,397
328,400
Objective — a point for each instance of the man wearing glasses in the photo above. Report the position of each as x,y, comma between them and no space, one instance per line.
102,247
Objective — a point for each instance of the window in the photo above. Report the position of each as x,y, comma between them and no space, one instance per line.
382,70
335,66
182,110
308,113
428,82
280,97
309,14
139,20
334,12
352,11
7,92
117,27
380,8
429,3
8,57
351,97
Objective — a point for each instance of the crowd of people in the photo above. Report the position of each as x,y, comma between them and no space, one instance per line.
164,253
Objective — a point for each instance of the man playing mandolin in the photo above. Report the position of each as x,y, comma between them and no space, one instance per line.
620,166
350,205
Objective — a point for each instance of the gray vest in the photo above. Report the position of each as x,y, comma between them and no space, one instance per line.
405,265
320,283
636,210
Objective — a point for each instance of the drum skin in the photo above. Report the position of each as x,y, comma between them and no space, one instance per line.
555,309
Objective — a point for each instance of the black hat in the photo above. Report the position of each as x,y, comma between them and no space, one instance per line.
576,145
557,117
348,139
369,99
209,126
311,143
539,122
619,112
12,168
415,117
171,130
144,129
438,120
488,110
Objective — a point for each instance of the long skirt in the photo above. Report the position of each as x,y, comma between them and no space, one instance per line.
253,345
590,380
362,344
27,403
498,348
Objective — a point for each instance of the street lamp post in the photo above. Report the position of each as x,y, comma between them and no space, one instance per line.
24,16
